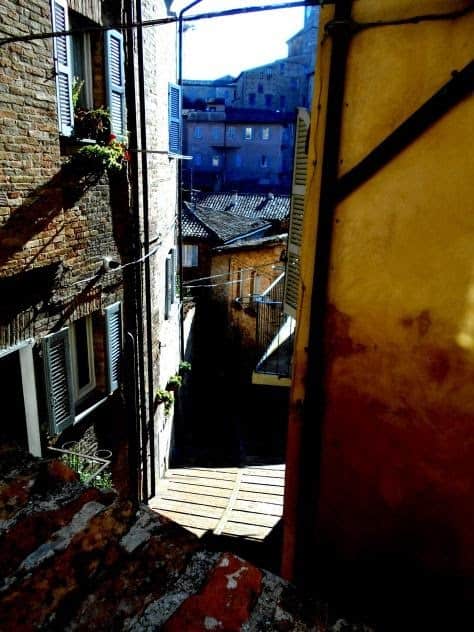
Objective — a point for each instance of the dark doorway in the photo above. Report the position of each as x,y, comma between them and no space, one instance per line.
12,418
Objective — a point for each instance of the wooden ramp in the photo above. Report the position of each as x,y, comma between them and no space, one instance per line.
246,502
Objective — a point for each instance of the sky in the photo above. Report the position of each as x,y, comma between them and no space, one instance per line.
225,46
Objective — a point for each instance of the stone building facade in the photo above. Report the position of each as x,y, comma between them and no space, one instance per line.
282,85
239,148
69,222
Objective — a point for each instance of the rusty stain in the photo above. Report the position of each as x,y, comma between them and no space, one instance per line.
339,341
423,322
438,365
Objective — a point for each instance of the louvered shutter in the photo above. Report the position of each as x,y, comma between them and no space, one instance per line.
115,78
174,257
295,233
168,284
174,119
113,345
58,382
63,67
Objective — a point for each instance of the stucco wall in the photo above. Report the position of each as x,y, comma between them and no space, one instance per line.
398,448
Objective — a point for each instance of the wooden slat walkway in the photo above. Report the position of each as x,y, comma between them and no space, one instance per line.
245,502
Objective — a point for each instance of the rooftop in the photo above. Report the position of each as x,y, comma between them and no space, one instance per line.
219,226
261,206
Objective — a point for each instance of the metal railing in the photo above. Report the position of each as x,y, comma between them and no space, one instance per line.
274,352
92,468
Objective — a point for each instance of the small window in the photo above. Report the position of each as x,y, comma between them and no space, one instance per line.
260,88
82,357
190,256
248,133
263,162
71,372
216,161
231,132
197,132
197,160
268,100
262,75
82,65
294,82
269,74
265,133
282,69
252,98
215,133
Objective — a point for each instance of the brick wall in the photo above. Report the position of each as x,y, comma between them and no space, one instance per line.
56,224
159,44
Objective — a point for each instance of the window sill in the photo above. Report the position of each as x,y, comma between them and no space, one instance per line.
87,406
70,144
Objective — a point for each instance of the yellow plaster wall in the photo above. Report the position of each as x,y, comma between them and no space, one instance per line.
398,441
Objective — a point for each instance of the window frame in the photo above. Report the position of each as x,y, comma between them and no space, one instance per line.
190,256
216,161
265,133
197,132
80,393
86,56
248,133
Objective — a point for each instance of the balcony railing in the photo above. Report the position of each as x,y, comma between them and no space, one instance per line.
275,331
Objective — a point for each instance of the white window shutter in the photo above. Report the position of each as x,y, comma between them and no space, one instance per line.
63,66
115,79
58,381
174,271
113,345
295,233
168,285
174,119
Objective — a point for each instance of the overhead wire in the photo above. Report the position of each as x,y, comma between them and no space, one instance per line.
160,21
221,274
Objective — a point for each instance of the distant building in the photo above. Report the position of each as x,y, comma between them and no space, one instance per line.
240,131
238,148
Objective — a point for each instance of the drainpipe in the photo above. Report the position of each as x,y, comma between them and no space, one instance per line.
307,488
180,178
149,431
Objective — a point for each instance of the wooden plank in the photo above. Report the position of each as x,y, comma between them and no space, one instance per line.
254,471
215,473
200,499
246,517
246,531
195,480
263,480
198,489
262,489
185,520
268,509
192,509
276,499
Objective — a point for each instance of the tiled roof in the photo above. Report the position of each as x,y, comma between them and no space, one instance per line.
219,227
248,205
192,227
228,226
